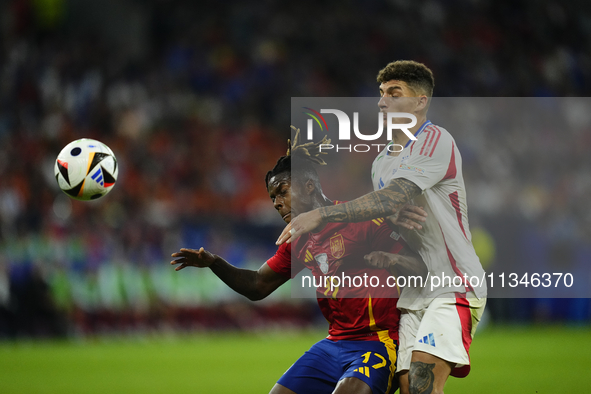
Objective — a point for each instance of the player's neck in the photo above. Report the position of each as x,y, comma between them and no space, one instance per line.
399,137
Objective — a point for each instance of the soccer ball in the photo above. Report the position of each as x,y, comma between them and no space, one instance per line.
86,169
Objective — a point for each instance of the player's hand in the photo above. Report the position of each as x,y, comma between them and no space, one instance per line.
409,217
381,259
193,258
300,225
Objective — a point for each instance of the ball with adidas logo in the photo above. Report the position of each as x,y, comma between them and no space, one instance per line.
86,169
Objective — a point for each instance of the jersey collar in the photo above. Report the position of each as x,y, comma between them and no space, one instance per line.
419,131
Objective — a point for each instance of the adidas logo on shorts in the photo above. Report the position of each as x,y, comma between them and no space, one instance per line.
429,340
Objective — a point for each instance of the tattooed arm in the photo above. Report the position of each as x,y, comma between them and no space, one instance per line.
381,203
377,204
254,285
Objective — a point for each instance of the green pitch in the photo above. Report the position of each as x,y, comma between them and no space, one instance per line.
505,360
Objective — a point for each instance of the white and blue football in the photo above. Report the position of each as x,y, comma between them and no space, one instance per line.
86,169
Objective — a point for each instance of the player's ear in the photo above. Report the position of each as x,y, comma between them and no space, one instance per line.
422,103
310,187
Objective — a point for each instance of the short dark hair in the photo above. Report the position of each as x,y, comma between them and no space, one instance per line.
418,76
306,156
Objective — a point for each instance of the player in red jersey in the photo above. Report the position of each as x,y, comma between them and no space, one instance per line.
359,354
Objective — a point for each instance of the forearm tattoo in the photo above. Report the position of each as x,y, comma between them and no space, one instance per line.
381,203
421,378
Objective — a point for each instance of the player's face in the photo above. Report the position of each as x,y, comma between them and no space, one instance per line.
397,96
280,192
289,199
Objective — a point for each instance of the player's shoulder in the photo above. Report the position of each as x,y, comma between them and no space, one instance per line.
432,137
433,131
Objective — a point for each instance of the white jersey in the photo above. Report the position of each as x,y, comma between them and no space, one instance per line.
433,163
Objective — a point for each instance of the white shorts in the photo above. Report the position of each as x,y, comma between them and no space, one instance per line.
444,329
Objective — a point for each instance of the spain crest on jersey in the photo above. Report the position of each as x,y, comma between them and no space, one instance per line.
337,246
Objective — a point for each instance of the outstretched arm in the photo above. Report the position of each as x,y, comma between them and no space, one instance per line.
377,204
255,285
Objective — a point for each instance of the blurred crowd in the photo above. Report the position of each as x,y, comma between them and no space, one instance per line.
193,98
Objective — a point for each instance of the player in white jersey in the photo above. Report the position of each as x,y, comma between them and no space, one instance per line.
438,322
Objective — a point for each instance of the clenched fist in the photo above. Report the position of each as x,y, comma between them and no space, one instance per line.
381,259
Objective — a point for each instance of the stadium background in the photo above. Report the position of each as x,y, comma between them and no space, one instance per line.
193,99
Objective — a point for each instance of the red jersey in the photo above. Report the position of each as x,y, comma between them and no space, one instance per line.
354,312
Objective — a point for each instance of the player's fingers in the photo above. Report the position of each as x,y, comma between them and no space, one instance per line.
281,237
413,209
372,259
411,224
182,253
293,235
285,235
201,252
178,261
404,224
375,262
384,261
180,267
415,217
